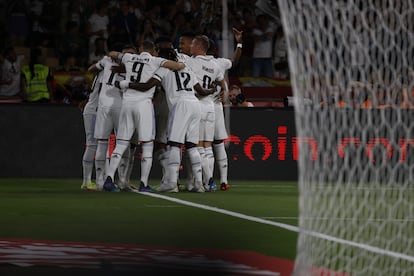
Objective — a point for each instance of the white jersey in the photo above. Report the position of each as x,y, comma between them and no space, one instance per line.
185,112
177,84
224,64
92,104
182,57
207,71
110,95
140,68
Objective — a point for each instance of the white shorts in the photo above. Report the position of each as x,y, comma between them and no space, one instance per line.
220,132
89,124
137,116
184,122
207,121
107,119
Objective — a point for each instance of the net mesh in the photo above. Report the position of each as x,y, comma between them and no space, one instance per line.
351,67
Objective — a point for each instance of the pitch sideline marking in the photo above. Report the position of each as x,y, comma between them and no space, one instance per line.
367,247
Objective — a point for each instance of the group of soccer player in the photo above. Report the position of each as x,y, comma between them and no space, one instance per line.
167,101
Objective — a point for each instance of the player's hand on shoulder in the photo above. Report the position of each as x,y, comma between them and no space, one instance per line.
181,65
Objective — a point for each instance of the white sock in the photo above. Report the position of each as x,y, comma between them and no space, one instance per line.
146,161
221,159
188,168
121,146
131,162
87,163
162,157
204,165
123,168
195,160
173,168
210,158
100,160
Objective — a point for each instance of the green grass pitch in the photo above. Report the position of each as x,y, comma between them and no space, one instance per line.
57,209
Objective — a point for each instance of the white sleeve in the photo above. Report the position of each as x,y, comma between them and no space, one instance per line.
125,57
224,63
159,61
160,73
100,64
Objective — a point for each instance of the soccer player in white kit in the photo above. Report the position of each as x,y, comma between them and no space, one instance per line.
109,107
89,117
183,120
220,132
137,111
207,72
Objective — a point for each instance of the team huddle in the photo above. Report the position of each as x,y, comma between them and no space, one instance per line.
166,101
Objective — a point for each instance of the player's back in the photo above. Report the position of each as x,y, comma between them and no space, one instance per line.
178,85
110,95
93,98
140,68
206,70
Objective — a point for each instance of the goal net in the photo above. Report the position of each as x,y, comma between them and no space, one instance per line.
351,65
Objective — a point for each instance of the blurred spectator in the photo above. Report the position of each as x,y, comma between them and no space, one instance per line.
71,84
148,32
280,55
237,98
123,26
98,25
45,22
37,79
73,43
99,52
262,53
10,74
18,23
181,26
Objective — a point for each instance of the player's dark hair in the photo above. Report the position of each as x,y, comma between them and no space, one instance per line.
212,49
188,34
168,53
128,46
148,46
162,38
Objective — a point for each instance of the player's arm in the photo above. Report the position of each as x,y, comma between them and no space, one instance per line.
204,92
238,35
115,55
118,68
93,68
139,86
224,93
173,65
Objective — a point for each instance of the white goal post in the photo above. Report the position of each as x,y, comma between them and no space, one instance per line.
351,65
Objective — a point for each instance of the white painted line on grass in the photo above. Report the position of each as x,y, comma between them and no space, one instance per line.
223,211
367,247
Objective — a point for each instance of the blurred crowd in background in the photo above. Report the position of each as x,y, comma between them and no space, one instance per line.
69,35
86,29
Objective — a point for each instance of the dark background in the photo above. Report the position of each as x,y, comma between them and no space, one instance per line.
48,141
